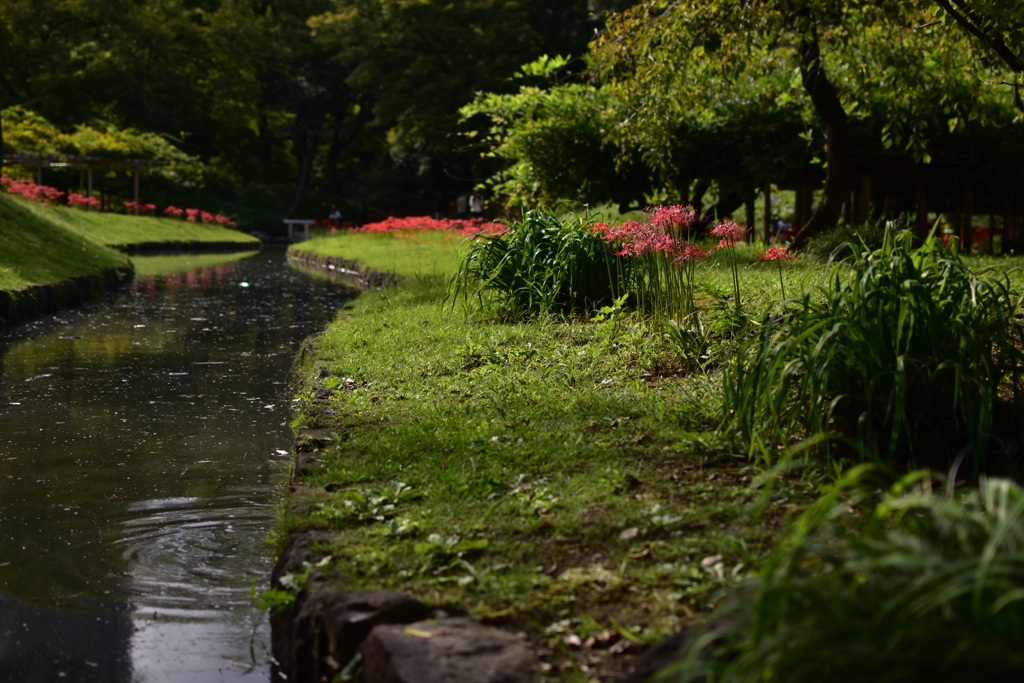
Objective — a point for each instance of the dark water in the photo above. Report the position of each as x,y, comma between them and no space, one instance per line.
140,443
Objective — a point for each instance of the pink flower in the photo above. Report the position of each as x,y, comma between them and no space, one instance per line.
173,211
191,215
778,254
675,216
729,231
691,252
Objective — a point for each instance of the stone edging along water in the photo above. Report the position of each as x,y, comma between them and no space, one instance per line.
365,278
194,247
386,636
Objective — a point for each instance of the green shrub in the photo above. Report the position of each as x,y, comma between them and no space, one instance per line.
903,355
916,585
541,265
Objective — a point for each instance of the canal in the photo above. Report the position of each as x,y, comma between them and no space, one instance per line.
141,440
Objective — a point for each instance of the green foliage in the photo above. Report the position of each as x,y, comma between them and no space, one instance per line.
27,131
540,266
555,143
904,353
916,585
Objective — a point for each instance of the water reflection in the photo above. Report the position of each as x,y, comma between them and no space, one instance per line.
137,441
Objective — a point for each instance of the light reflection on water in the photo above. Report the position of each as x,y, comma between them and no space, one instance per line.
137,448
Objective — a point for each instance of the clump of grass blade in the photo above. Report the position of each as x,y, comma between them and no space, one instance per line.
902,354
540,266
916,585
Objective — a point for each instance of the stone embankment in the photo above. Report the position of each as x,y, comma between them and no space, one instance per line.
365,278
156,248
377,636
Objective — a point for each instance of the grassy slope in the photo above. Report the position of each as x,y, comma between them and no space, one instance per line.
560,480
37,250
118,229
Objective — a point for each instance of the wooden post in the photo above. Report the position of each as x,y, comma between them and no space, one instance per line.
965,220
921,208
766,220
136,184
991,233
1009,225
751,198
864,207
89,175
851,200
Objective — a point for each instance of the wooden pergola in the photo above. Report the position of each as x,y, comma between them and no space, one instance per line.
84,164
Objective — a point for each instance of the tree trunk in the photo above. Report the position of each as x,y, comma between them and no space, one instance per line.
308,130
830,109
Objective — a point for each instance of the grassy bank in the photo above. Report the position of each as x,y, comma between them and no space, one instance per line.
555,478
74,255
121,231
37,247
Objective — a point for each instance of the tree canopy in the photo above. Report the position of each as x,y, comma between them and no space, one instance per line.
741,94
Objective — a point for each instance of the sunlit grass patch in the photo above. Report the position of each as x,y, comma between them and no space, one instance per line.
35,249
555,477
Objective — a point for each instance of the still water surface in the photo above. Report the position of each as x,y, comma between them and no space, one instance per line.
141,439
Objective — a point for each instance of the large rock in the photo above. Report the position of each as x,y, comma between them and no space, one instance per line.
446,651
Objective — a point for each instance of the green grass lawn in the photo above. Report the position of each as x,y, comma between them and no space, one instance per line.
121,230
35,249
557,478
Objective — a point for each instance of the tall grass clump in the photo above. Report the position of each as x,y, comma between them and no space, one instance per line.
917,585
539,266
903,354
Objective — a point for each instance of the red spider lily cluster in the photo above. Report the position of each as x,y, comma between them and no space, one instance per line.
729,233
26,189
473,226
199,216
46,195
666,256
666,231
139,208
76,199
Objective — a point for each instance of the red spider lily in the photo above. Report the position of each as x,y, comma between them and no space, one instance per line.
224,220
729,231
206,216
692,252
668,217
778,254
191,215
136,207
26,189
473,226
174,212
75,199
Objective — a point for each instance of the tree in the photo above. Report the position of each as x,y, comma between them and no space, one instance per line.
998,25
674,60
